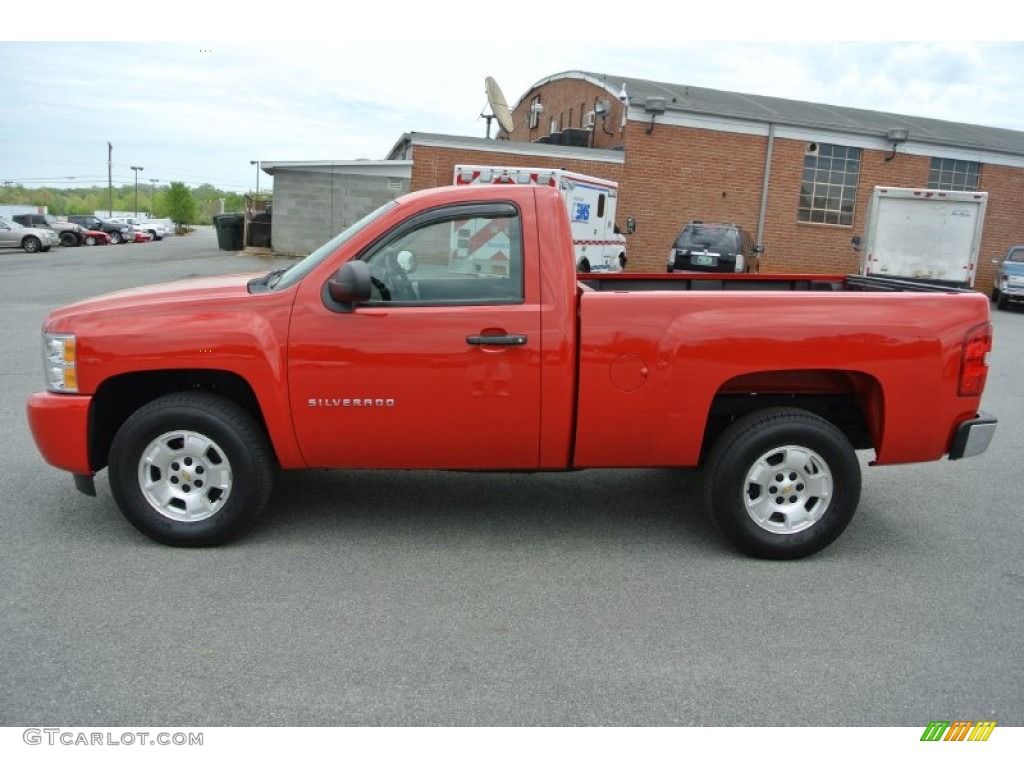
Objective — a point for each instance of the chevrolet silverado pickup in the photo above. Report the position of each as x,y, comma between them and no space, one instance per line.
449,330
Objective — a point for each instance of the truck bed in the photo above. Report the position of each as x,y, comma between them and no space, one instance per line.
683,281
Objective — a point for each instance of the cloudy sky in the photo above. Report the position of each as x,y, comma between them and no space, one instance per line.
296,86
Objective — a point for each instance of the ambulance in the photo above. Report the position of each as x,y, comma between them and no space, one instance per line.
590,202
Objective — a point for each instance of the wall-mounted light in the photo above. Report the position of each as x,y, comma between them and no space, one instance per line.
654,106
897,136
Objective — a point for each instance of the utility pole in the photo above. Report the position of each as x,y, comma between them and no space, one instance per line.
137,168
110,179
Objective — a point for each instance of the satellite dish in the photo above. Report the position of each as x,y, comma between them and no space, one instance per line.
499,107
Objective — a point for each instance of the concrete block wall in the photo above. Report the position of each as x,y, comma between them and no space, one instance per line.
311,207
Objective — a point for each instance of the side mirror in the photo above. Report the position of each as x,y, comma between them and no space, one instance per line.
758,249
996,262
855,242
351,283
630,225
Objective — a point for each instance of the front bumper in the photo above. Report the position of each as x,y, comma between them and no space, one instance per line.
60,427
973,436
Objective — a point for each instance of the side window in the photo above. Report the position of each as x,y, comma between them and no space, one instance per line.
600,206
459,257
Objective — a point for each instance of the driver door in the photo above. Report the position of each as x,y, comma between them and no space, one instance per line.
441,367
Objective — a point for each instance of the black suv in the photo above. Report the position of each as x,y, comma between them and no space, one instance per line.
703,247
119,233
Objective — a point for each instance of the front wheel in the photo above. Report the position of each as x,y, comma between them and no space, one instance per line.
782,483
115,238
90,240
191,469
68,239
1002,302
583,266
31,244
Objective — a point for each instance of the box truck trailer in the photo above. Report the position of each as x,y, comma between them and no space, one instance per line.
924,234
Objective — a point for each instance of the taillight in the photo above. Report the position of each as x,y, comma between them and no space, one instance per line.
974,360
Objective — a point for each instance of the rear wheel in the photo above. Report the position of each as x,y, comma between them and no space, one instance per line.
191,469
782,483
115,238
68,239
1002,302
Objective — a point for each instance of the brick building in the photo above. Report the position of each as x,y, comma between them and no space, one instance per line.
796,174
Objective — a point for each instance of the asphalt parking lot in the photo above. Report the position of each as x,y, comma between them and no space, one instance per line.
424,598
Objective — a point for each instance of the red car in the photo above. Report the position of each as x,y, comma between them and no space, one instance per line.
142,237
95,237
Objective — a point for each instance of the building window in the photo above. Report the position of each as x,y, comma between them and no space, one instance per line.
828,189
535,110
959,175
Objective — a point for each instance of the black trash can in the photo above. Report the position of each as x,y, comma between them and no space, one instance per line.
230,229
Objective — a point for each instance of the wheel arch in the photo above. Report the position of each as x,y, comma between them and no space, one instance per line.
853,401
120,396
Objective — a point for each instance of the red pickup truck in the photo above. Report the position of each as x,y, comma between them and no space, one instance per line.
448,330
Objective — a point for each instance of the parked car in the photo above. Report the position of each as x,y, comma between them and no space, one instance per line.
68,233
142,237
30,239
155,227
1009,280
96,237
119,233
703,247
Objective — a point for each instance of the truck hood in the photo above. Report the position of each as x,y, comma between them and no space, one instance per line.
165,295
1015,268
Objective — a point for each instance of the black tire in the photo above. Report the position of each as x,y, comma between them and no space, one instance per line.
583,266
622,261
115,238
90,240
31,244
995,294
782,483
1002,302
68,239
177,442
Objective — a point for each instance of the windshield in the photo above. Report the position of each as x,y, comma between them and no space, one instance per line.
304,267
713,237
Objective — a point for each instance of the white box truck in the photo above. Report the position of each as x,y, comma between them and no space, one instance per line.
590,202
924,234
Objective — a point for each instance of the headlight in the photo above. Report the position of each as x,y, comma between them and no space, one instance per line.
60,362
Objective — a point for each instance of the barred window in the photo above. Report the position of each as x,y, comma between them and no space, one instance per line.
959,175
828,189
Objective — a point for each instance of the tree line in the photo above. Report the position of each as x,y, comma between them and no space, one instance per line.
176,201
